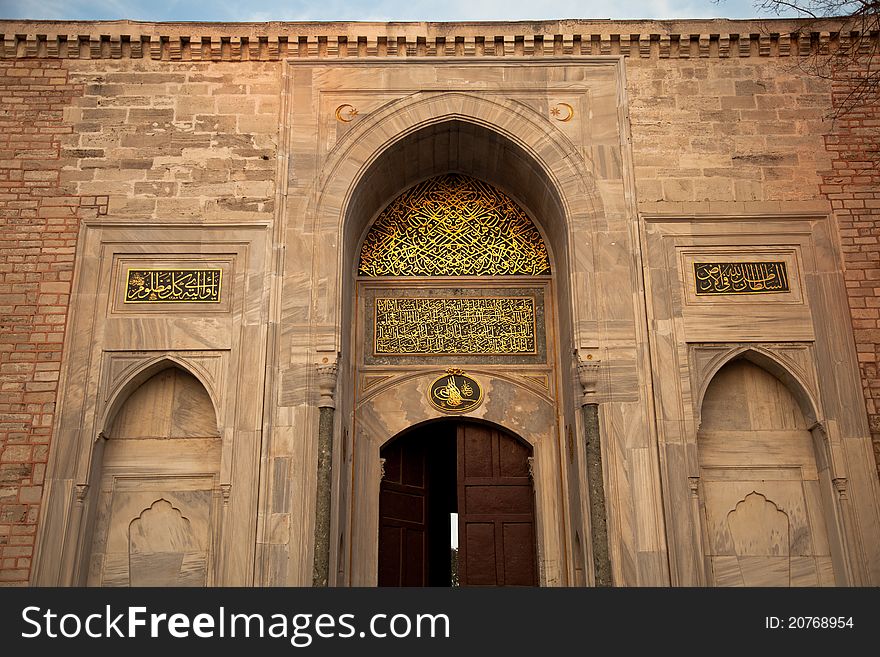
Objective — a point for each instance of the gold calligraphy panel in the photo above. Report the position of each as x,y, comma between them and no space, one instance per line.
740,277
453,225
173,286
455,325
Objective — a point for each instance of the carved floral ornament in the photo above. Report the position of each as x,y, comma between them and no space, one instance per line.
453,225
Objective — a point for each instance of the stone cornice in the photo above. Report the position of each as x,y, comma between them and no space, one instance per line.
274,41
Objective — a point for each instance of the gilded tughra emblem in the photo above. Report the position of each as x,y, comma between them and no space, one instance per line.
455,392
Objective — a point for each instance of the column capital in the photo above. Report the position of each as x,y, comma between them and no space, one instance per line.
327,373
588,374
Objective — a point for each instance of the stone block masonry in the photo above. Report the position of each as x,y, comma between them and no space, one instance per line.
176,142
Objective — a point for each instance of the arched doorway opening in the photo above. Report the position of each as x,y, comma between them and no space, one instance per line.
456,507
454,236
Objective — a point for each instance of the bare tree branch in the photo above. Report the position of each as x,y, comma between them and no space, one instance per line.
844,46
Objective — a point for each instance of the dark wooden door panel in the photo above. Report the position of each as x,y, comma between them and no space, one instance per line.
496,509
519,553
415,499
403,507
481,472
475,453
499,499
415,566
402,516
513,458
480,560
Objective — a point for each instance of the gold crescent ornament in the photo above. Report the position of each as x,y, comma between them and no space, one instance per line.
341,113
562,112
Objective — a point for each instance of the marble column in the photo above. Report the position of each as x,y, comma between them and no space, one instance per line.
588,373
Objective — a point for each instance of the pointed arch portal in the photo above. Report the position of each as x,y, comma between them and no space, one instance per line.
454,274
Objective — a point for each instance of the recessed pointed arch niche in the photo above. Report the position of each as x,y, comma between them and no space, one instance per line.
157,508
768,516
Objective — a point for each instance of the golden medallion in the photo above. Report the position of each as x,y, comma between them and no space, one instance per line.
455,392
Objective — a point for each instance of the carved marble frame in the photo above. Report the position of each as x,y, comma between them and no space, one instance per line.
805,341
109,354
600,294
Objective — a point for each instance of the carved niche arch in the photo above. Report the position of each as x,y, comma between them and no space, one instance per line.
761,460
774,362
137,371
155,517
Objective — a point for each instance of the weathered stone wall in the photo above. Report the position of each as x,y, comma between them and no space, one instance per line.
153,123
175,142
727,135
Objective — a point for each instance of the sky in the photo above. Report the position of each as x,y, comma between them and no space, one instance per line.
370,10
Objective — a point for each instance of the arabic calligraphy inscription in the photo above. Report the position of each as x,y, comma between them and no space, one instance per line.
456,325
173,286
453,225
741,277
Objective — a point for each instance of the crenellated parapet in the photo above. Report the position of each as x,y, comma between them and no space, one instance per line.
272,41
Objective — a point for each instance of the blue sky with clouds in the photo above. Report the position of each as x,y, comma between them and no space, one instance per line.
370,10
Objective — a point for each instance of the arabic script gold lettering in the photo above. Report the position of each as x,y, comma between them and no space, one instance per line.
455,326
453,225
740,277
173,285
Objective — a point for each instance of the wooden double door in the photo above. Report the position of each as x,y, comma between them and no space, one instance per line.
477,471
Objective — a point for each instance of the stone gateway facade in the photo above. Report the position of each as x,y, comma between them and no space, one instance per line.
279,301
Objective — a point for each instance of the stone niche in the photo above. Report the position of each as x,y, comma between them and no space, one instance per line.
157,505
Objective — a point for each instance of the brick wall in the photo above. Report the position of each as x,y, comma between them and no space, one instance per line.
852,184
81,139
38,229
